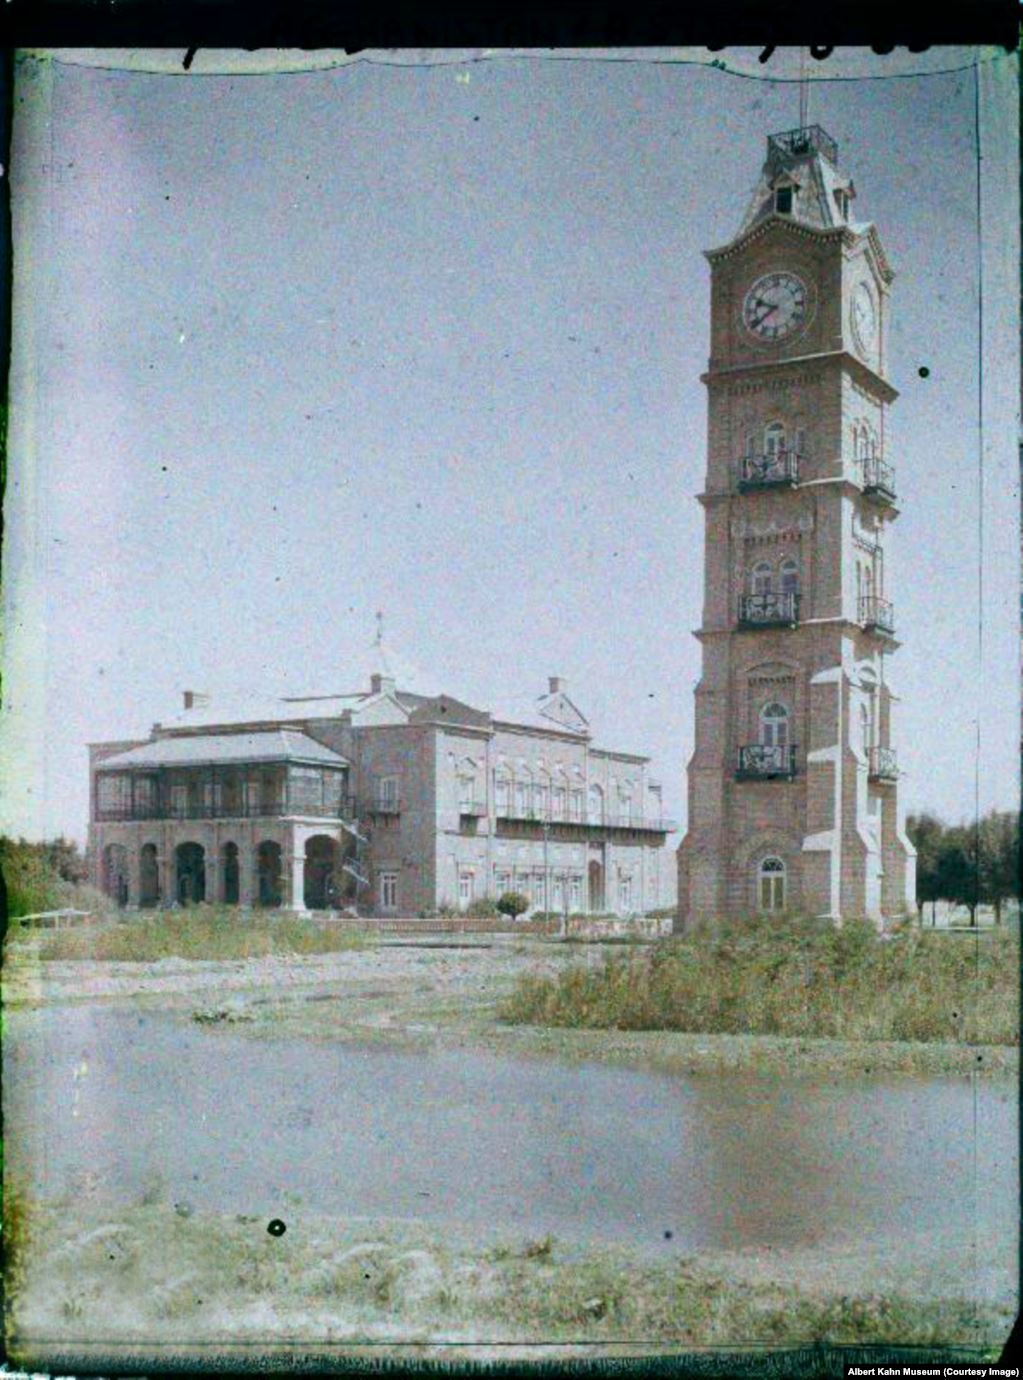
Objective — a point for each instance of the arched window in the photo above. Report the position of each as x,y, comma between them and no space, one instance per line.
774,439
789,576
595,805
859,442
502,792
760,578
774,725
865,728
771,884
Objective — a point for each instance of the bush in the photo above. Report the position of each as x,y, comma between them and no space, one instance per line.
793,977
483,909
513,904
47,876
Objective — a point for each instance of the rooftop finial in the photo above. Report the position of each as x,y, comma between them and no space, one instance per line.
804,91
380,629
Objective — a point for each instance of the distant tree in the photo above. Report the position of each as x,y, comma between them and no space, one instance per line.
998,859
513,904
926,833
957,879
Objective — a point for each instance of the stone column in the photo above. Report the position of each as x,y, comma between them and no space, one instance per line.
134,875
293,867
165,868
214,873
248,874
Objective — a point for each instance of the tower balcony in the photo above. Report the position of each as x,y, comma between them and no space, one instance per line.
766,762
877,615
780,469
770,609
882,764
797,143
878,480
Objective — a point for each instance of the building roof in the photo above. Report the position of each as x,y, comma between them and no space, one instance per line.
280,745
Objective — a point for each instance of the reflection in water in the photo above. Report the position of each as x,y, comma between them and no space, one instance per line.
586,1152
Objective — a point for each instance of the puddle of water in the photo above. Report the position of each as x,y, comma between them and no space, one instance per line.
582,1151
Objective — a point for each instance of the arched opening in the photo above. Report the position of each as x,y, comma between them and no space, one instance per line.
229,874
115,872
774,725
771,885
596,885
595,805
319,886
190,869
789,576
269,873
149,876
760,579
865,734
774,440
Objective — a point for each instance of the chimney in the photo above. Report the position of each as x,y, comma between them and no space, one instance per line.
555,685
195,700
380,684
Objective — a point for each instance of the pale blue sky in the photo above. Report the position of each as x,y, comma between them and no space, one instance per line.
310,346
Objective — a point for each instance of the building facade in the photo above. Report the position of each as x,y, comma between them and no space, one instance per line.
385,801
793,781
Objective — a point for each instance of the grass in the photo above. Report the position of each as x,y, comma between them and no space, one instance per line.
199,932
149,1274
792,977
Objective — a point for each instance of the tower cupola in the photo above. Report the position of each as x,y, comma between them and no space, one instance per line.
800,181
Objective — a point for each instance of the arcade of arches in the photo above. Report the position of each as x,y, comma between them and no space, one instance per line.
191,873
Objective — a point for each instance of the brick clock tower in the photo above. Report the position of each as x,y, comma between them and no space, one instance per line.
793,781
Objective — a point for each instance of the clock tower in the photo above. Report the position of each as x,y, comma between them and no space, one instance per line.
793,781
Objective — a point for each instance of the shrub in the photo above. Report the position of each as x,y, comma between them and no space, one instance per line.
513,904
47,876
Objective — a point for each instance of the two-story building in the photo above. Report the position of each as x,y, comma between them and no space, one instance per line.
386,801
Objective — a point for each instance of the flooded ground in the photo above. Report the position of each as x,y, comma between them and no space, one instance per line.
387,1103
153,1103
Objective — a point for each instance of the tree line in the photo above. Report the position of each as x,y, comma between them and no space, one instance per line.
971,865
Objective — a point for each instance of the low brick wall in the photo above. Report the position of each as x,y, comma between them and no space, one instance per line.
458,924
637,926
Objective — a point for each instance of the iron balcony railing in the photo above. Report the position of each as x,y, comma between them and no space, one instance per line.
765,762
647,823
769,609
878,480
275,808
883,764
769,471
876,614
794,143
383,805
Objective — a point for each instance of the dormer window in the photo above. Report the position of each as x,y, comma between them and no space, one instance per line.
783,200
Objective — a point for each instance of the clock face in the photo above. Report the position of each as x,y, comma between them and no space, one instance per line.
863,313
775,306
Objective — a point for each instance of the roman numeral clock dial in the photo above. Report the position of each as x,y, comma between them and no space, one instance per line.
775,306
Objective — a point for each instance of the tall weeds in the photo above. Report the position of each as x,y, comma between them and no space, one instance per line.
200,932
793,978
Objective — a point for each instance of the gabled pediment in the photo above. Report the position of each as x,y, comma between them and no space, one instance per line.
561,711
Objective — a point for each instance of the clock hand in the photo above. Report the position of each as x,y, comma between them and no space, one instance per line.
758,320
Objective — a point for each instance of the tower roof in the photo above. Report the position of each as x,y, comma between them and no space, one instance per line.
803,165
